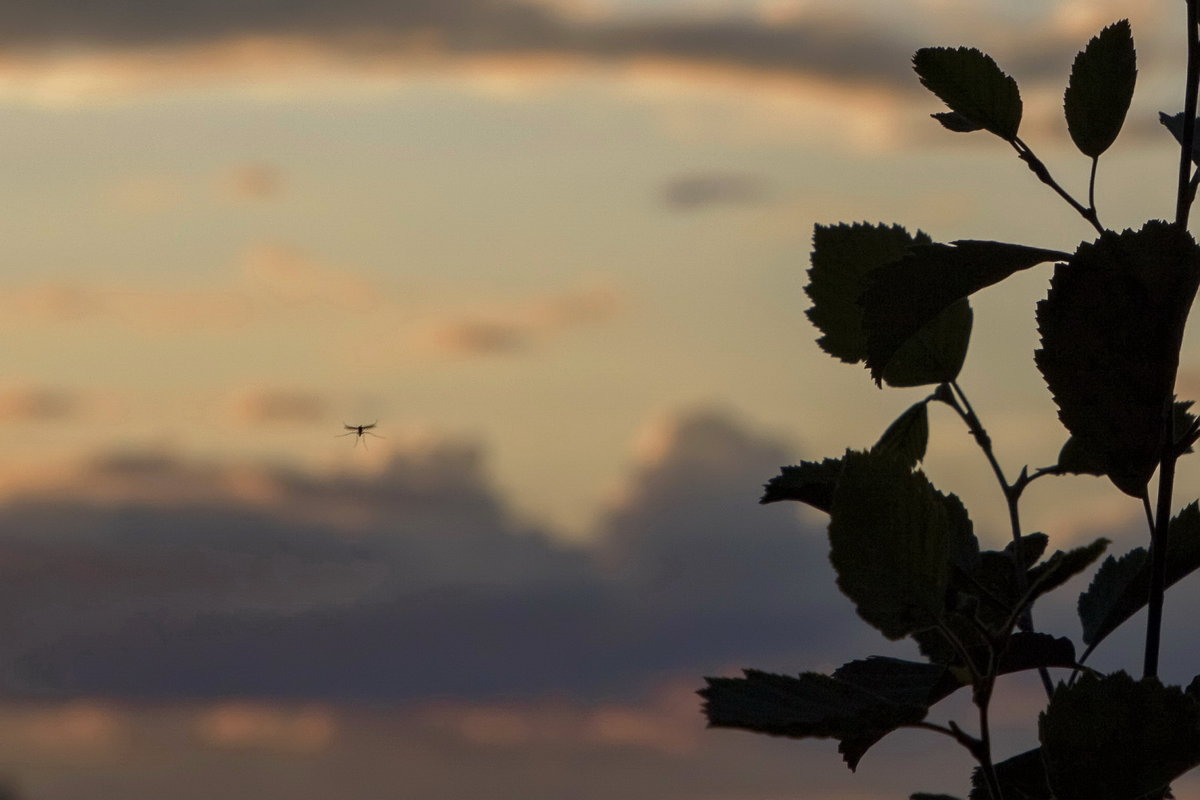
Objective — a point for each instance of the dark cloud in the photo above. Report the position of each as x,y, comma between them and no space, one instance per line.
433,589
689,192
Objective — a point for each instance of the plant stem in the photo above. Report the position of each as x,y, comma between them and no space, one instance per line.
1185,193
1012,495
1043,174
985,746
1158,552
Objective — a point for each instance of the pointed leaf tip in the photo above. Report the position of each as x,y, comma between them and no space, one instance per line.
1100,89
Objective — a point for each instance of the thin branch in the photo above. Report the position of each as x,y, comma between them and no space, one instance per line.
1092,189
1043,174
1185,192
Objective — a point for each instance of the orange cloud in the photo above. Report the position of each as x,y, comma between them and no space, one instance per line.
255,726
260,405
253,182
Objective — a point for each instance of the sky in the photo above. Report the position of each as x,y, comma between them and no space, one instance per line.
556,250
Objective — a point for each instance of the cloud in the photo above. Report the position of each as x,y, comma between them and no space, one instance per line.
516,327
258,405
688,192
253,182
39,404
149,577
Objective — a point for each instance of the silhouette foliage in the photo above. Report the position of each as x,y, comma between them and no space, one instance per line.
1111,329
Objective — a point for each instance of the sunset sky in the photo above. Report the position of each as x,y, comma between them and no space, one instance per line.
557,250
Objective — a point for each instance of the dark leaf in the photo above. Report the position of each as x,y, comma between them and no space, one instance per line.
1111,329
907,437
1122,585
1174,123
903,296
1061,567
1076,459
1029,650
842,258
810,705
1184,420
1100,89
1031,546
810,482
1022,777
956,122
1114,738
971,84
893,539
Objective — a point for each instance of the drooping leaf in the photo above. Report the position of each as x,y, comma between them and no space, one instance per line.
810,705
971,84
907,437
1022,777
1114,738
1100,89
1121,587
956,122
1061,567
842,258
905,295
1031,547
1174,123
893,539
810,482
1111,329
935,354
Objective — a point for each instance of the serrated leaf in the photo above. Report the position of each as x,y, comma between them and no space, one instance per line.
1174,123
1111,329
956,122
1184,420
1100,89
907,437
905,295
1031,546
971,84
810,705
1121,587
1114,738
810,482
1061,567
1022,777
842,258
893,539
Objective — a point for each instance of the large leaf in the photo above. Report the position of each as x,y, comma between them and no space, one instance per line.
1121,587
907,294
1114,738
810,482
907,437
810,705
1061,567
1111,329
971,84
1100,89
893,539
843,256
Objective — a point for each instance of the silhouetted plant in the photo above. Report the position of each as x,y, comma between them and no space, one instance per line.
905,554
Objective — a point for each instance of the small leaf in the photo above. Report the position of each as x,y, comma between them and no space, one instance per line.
1121,587
893,539
1111,329
971,84
809,482
1061,567
1184,420
937,351
1031,545
905,295
1114,738
1174,123
956,122
1022,777
907,437
1100,89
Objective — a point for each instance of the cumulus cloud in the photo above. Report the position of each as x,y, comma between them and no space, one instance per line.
146,576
